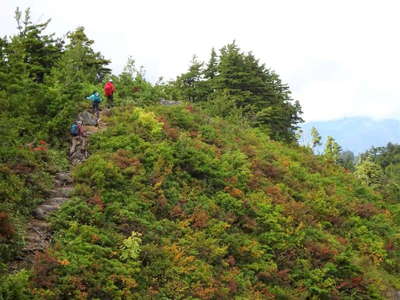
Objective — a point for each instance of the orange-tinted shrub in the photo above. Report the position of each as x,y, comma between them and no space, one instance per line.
43,270
7,230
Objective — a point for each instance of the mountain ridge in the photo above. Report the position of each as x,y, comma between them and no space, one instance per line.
356,134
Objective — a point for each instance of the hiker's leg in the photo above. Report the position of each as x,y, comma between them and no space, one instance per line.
111,100
83,141
97,110
73,146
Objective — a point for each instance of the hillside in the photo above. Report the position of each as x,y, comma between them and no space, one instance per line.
357,134
173,204
208,200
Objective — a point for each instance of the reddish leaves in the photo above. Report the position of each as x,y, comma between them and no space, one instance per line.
22,169
122,158
171,132
234,192
40,148
354,283
299,211
190,108
390,246
205,293
177,211
276,194
96,200
200,218
248,224
266,169
321,252
367,210
231,260
7,230
43,270
233,286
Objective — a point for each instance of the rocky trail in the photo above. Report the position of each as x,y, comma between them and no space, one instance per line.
38,235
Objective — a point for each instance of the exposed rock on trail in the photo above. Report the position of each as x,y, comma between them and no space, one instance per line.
87,118
169,102
38,232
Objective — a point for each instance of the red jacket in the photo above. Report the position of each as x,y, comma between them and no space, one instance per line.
109,89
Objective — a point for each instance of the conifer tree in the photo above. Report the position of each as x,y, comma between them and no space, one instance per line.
347,160
92,63
191,83
265,100
40,51
211,69
316,138
332,149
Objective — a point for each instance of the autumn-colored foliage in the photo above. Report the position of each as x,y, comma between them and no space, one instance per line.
7,230
43,270
217,211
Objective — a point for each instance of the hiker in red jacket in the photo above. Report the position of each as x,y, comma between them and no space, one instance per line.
109,90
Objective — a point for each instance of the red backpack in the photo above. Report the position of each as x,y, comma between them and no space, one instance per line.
108,89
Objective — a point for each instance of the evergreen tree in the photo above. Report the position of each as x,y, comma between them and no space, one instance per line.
316,138
211,70
265,100
27,58
370,173
40,51
332,149
347,160
92,63
133,86
191,84
3,63
257,92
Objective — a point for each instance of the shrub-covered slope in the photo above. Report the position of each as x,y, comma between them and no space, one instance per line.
173,204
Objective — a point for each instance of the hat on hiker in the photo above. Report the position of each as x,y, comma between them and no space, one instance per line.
110,80
79,122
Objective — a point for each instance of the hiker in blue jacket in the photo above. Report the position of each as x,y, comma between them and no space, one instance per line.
78,136
96,99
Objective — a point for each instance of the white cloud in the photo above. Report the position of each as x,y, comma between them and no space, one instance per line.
340,57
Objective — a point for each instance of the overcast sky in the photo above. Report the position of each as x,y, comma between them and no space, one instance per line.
339,57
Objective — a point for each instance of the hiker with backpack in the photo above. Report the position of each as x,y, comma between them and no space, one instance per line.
96,99
78,134
109,90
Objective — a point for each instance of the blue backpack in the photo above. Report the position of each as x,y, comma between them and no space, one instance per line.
74,129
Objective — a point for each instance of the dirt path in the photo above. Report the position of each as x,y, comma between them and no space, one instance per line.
38,231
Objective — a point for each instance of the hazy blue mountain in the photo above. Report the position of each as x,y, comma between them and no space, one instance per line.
357,134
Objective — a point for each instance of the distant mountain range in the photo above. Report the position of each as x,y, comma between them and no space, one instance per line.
356,134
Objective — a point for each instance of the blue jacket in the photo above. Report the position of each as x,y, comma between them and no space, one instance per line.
94,97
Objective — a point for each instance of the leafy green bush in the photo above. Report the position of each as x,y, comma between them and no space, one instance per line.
222,212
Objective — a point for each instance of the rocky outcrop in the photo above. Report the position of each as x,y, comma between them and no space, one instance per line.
169,102
87,118
78,152
38,231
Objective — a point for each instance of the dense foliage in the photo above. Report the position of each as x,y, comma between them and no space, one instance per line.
173,204
238,78
384,169
42,82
